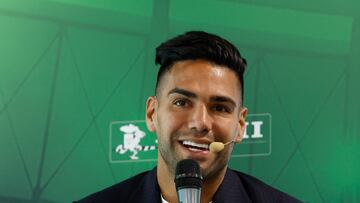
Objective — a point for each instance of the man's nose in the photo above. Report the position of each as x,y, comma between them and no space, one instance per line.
200,120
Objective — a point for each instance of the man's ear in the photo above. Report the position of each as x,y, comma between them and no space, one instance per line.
151,107
242,124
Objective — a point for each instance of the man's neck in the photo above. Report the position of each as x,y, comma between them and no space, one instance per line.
166,183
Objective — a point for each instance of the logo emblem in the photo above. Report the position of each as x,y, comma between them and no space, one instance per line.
131,141
132,137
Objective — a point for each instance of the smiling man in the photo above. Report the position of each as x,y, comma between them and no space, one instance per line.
198,100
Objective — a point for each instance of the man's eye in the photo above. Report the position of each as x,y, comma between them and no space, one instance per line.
180,102
221,108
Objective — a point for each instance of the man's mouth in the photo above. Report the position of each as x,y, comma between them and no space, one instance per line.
196,147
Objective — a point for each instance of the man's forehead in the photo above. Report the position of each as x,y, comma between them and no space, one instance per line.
200,74
198,67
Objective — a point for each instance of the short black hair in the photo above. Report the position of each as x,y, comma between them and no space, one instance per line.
199,45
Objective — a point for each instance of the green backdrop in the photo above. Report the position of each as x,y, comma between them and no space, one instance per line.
69,68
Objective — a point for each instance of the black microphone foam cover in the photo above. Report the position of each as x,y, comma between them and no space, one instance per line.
188,174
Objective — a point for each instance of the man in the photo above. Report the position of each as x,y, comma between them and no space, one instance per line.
198,100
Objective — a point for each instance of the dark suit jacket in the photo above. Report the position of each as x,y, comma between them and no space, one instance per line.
236,187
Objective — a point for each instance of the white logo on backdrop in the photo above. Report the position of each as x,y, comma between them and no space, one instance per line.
132,137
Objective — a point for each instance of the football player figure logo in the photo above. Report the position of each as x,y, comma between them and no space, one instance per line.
132,138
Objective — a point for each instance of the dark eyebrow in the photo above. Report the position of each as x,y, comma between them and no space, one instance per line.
187,93
222,99
183,92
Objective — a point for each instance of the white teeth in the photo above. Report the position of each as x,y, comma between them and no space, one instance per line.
190,143
194,149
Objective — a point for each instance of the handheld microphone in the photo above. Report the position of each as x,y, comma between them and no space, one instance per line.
188,181
218,146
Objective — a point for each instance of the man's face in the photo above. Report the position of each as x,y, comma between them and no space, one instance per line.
197,103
